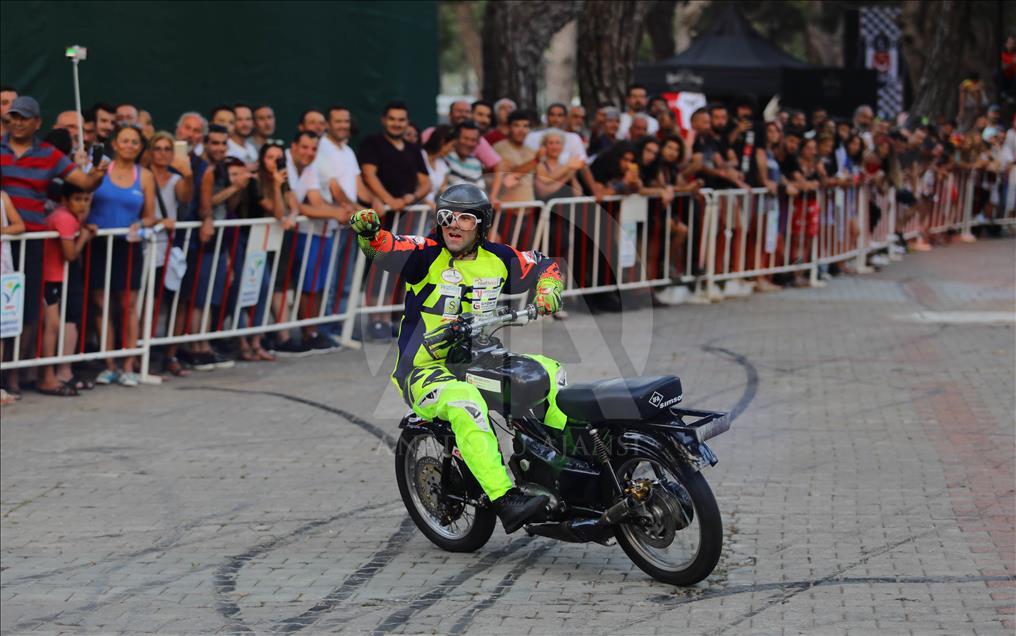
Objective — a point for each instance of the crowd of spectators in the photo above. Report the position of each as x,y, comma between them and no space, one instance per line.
231,164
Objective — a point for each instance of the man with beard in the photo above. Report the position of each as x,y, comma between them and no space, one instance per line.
240,145
394,173
454,272
636,102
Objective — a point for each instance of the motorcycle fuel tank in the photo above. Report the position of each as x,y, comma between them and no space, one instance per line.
510,383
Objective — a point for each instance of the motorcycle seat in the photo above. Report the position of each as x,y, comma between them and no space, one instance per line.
620,399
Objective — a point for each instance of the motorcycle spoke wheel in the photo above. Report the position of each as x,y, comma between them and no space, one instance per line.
653,532
676,536
450,523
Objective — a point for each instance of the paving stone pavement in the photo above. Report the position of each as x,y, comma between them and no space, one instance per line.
867,484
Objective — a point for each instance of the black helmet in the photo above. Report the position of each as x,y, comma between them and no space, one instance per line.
466,197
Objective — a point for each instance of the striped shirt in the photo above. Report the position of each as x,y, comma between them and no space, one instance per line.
25,178
467,170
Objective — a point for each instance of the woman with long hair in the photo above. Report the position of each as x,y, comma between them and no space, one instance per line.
437,147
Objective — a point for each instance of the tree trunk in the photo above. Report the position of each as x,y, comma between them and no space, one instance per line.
660,27
470,34
559,65
936,91
609,36
515,33
688,16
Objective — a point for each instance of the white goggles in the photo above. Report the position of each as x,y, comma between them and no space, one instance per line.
465,220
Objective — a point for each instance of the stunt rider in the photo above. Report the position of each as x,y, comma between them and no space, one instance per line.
453,271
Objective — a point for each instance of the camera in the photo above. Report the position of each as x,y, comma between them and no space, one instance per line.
98,150
280,164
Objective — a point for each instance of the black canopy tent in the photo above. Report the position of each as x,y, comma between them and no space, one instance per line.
733,59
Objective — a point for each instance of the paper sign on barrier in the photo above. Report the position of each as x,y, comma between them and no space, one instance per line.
253,273
840,202
629,232
634,210
772,226
12,304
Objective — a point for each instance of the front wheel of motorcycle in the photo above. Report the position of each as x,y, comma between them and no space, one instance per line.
678,536
450,524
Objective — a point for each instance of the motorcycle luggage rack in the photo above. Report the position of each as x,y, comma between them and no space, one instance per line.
708,424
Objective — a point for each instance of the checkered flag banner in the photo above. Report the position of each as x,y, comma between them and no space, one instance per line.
880,40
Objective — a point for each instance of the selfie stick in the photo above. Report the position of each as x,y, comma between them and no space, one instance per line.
77,53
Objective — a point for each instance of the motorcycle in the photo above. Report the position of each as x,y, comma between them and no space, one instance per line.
627,466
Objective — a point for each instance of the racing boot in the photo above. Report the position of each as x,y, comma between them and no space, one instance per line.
515,507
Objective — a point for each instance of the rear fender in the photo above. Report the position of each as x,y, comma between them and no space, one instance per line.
679,449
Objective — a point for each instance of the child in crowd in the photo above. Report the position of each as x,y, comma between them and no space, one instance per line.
60,255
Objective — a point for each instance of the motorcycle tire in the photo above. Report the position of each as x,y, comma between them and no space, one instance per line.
707,514
472,539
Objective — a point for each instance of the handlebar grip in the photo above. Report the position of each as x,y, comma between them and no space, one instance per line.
434,340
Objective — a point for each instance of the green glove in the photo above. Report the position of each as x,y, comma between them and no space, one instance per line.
548,295
365,223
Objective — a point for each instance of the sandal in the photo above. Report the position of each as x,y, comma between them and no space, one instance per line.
173,366
64,389
13,393
248,356
263,355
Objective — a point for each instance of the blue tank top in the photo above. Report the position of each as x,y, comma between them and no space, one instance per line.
113,206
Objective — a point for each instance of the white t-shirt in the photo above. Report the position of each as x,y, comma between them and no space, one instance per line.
339,163
168,194
622,132
437,174
246,153
1009,150
573,145
300,184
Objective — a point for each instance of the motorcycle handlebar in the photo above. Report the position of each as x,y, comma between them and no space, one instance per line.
523,316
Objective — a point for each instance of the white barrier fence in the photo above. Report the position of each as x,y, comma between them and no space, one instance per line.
254,277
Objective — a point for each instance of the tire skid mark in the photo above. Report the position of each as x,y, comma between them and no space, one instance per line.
352,583
791,589
357,421
224,578
677,601
173,540
65,616
752,380
399,618
502,587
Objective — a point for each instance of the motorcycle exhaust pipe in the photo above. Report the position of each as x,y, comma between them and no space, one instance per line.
618,511
574,530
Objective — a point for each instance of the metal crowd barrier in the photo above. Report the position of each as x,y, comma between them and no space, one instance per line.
606,244
84,289
254,277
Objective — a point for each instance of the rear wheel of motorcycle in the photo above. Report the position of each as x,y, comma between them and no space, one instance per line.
675,564
418,460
